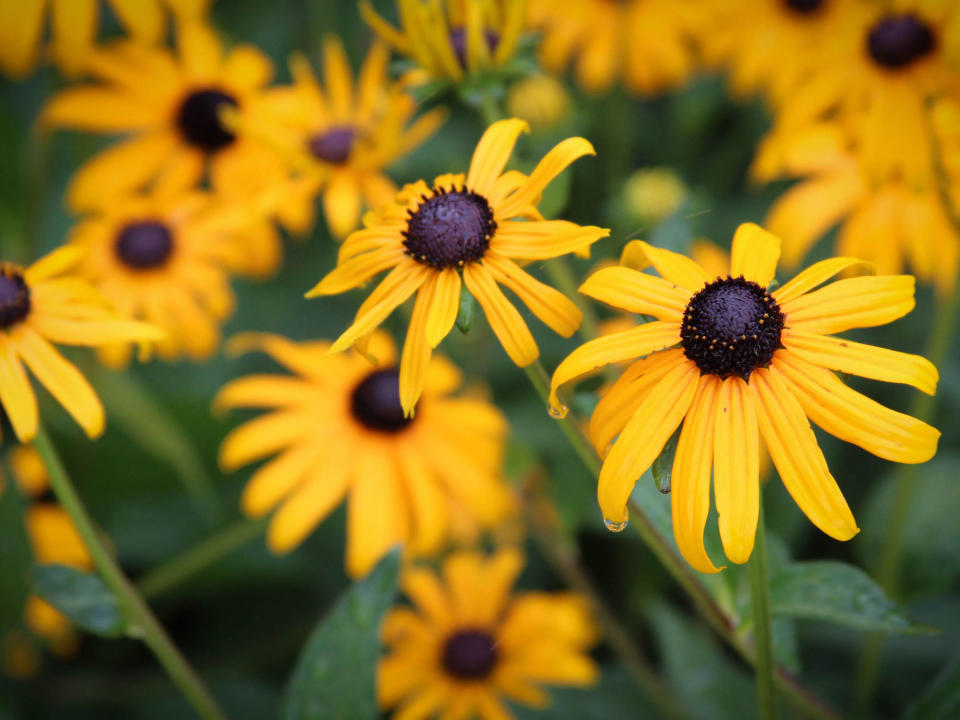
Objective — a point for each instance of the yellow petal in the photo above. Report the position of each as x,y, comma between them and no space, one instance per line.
528,240
262,436
16,395
54,263
385,30
265,391
143,18
552,164
92,332
415,358
200,51
637,292
98,110
505,321
342,202
492,153
246,68
377,512
356,271
554,309
852,303
445,306
428,505
277,478
74,25
676,268
754,254
337,78
20,34
813,276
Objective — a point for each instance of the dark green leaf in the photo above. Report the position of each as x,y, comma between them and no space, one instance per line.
663,465
941,699
465,314
838,593
615,696
335,677
15,560
82,597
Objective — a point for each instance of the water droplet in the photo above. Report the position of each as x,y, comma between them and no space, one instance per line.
559,412
615,526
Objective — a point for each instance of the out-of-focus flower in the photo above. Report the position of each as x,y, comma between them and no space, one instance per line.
178,111
73,26
44,304
468,643
453,38
340,135
733,362
341,432
540,100
465,229
653,194
647,42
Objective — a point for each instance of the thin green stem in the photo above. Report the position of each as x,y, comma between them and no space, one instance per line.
142,622
200,557
762,632
489,107
666,553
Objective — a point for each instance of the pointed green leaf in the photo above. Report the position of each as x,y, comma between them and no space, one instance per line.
663,466
335,677
82,597
465,314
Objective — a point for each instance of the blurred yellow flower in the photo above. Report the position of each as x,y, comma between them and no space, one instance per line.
541,100
733,362
469,643
654,194
340,135
73,25
453,38
340,432
43,304
647,42
173,107
464,229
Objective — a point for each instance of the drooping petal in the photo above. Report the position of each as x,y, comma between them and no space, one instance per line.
554,309
445,306
637,292
492,153
552,164
505,321
852,303
813,276
676,268
357,270
754,254
16,395
415,358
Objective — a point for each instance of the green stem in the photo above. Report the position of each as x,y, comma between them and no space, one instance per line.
763,635
142,622
489,107
666,553
198,558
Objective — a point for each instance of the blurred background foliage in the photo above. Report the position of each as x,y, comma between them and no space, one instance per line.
244,621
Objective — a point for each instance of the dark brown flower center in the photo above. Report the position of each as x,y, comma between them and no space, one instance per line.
144,245
375,402
469,655
199,119
14,297
804,7
450,228
897,41
458,39
334,145
731,327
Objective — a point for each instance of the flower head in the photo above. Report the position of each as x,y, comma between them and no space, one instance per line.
40,305
734,362
468,644
341,432
465,228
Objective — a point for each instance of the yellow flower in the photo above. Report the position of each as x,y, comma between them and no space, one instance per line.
74,28
463,228
648,42
453,38
727,358
41,305
343,137
173,108
340,432
654,193
467,644
541,100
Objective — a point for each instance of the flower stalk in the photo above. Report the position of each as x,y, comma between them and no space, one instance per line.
762,633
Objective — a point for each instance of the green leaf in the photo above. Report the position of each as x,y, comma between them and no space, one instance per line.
838,593
663,465
335,677
941,698
465,314
82,597
615,696
15,559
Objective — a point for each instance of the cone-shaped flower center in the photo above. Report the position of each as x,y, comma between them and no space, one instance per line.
469,655
375,402
14,297
804,6
144,245
896,41
458,39
450,228
199,119
334,145
731,327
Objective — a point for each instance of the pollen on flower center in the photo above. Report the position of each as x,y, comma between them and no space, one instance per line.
144,245
334,145
450,228
469,654
731,327
458,39
14,297
375,402
896,41
199,119
804,7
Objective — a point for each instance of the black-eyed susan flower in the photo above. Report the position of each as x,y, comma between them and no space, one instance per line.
174,110
340,433
453,38
734,362
468,643
343,134
73,27
646,42
45,304
464,229
163,257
